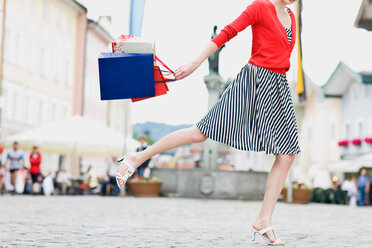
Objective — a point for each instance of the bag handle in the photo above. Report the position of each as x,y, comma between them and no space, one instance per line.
168,71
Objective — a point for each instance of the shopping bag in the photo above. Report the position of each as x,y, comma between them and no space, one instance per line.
161,87
160,80
126,75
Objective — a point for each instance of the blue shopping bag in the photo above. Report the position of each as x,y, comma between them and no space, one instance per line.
126,75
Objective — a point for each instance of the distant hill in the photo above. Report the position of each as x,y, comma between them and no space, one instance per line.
156,130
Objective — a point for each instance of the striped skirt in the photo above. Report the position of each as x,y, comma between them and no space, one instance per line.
254,113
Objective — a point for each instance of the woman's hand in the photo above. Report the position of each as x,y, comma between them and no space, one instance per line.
185,70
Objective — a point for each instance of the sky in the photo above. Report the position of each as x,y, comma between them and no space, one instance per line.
181,29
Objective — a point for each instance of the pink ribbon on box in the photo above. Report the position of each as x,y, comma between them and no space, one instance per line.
121,38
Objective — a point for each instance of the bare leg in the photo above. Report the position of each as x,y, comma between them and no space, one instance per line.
172,140
274,185
13,177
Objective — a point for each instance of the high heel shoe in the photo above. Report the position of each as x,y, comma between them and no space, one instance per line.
262,232
127,174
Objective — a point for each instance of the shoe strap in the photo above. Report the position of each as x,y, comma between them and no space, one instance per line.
263,231
130,167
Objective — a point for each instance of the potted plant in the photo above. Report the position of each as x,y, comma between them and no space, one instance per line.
368,140
301,193
356,142
344,143
144,187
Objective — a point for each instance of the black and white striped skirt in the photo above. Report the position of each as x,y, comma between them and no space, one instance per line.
254,113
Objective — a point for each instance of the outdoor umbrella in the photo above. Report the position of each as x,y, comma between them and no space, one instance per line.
76,136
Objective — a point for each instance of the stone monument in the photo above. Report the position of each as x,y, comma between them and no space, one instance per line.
214,82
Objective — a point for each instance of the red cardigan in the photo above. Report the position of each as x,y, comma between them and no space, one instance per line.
35,163
270,48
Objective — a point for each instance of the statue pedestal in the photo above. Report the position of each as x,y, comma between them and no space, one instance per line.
210,153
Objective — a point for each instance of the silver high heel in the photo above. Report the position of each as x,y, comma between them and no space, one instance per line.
127,174
262,232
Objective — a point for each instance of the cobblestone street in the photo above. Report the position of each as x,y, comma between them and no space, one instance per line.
90,221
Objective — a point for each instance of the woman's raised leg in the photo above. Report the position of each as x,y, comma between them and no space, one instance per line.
274,185
172,140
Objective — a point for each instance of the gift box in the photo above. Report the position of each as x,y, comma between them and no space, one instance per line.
131,44
126,75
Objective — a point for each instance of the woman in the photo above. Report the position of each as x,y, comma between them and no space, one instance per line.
255,112
35,161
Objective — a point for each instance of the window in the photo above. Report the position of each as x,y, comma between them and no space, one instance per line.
360,129
17,52
15,105
42,110
44,61
354,91
366,88
347,130
58,17
26,113
332,131
54,112
370,127
8,46
5,103
45,10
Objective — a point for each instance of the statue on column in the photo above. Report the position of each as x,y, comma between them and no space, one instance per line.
213,59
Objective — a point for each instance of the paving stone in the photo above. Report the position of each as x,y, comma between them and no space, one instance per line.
92,221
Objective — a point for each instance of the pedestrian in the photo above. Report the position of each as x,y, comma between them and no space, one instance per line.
3,173
14,161
141,169
109,178
92,180
349,186
35,161
63,181
363,183
255,112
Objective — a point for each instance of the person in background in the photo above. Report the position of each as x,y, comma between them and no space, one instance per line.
349,185
92,180
21,180
63,181
109,178
2,177
14,160
145,164
35,161
363,184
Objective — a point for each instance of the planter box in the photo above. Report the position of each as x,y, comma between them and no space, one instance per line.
147,189
298,195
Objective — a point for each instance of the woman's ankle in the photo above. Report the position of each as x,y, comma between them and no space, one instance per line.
262,222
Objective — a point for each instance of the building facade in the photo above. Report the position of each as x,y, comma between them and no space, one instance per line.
40,66
355,93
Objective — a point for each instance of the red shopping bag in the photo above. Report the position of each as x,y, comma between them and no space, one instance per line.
161,87
160,80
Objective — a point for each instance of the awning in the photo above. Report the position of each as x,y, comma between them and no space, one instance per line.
75,135
351,165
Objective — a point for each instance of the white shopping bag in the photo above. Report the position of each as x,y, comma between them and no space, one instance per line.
20,183
48,186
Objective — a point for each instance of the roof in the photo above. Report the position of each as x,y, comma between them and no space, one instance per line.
101,30
367,78
340,81
80,5
364,17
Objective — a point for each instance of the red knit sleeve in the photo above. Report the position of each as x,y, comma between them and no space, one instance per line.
249,16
